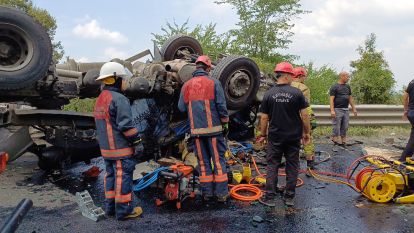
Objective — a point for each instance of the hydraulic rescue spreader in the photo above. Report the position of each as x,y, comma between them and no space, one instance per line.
384,180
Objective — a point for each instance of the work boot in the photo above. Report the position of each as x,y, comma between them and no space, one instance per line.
207,198
222,199
310,164
289,201
269,199
110,214
280,190
134,214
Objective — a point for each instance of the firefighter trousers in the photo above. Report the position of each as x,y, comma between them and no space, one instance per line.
118,187
210,152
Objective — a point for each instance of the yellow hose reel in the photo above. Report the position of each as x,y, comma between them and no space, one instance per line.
382,184
381,189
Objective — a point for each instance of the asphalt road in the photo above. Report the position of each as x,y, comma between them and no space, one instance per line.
320,206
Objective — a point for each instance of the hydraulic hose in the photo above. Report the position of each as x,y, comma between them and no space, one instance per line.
148,179
257,193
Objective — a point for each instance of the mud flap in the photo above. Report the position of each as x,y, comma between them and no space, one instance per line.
15,141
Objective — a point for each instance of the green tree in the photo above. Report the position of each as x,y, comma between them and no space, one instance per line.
170,30
264,26
213,43
43,17
372,80
319,82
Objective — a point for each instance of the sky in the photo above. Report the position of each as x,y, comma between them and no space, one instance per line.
98,30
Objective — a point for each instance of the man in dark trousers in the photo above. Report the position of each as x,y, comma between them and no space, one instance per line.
408,102
117,137
203,99
284,121
339,101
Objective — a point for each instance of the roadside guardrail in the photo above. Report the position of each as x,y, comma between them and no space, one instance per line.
368,115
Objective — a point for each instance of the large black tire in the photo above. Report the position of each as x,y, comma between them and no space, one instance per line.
180,42
241,74
27,50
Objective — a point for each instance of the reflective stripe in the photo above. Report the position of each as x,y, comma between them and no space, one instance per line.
200,158
206,179
216,156
106,174
118,186
110,134
224,120
123,198
190,114
208,113
117,152
110,194
214,129
220,178
101,115
130,132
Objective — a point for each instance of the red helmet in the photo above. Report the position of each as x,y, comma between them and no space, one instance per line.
204,59
299,71
284,67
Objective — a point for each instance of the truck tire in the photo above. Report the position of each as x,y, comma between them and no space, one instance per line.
240,78
25,50
169,50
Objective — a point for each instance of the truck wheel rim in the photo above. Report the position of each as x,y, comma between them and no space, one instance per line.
16,49
239,84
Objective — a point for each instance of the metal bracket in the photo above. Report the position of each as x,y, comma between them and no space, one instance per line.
87,206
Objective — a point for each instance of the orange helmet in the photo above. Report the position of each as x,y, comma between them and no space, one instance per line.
204,59
284,67
299,71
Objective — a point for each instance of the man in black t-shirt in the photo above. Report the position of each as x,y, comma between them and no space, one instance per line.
284,121
408,102
339,101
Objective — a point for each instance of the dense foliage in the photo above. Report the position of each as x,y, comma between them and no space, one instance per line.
372,80
43,17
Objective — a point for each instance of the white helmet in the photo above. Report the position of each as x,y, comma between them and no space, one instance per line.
112,69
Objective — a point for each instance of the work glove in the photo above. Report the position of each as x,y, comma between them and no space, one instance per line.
260,139
225,129
137,141
138,148
190,142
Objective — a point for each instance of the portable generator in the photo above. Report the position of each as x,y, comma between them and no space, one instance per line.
178,184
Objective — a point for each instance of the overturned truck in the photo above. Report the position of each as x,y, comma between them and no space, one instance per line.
33,91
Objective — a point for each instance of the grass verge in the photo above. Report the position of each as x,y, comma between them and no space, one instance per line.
368,131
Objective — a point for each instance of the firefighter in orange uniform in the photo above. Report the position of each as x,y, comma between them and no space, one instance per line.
203,99
116,136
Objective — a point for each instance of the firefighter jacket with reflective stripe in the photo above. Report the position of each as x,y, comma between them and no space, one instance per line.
203,99
114,125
